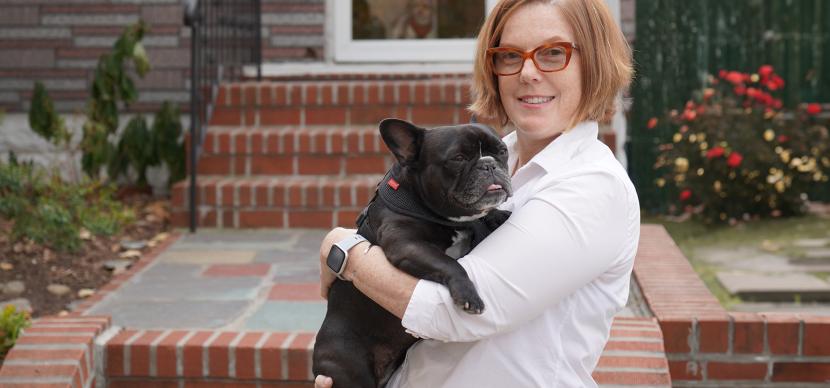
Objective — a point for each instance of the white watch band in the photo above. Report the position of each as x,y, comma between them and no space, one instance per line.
345,245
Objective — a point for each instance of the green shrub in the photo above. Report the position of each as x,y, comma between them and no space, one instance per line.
738,154
12,322
52,212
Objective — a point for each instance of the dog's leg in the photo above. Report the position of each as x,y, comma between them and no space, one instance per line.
346,360
431,263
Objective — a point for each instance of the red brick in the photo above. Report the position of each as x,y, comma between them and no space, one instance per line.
52,340
358,95
271,356
245,191
166,354
142,384
295,292
309,219
260,218
425,115
735,370
782,333
634,346
245,360
632,362
45,354
251,94
236,270
40,371
327,115
218,354
631,378
227,116
279,116
801,371
271,165
685,370
227,193
140,353
713,335
816,336
236,95
92,8
214,165
676,335
748,333
318,165
192,354
346,218
420,94
311,95
298,365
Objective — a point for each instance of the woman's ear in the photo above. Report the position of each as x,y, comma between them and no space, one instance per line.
403,138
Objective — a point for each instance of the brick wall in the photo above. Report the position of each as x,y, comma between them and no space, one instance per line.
59,41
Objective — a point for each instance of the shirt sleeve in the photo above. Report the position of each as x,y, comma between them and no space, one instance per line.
565,236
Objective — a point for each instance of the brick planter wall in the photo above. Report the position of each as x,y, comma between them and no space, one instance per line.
708,346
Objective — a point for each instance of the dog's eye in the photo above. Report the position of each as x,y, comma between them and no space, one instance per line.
502,151
459,158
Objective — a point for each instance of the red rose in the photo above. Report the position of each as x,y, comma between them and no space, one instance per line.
813,109
715,152
734,77
765,70
740,90
783,138
722,73
777,104
652,122
734,160
685,195
689,115
751,92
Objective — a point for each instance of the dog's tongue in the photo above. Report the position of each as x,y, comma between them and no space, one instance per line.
494,187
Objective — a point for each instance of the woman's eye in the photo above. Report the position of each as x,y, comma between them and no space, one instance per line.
459,158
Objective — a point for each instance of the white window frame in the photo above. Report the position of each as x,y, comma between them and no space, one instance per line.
345,49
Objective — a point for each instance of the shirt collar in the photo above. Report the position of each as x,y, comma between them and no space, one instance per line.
558,151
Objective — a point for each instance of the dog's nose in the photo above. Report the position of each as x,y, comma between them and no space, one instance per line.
486,163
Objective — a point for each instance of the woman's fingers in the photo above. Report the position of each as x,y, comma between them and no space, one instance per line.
323,382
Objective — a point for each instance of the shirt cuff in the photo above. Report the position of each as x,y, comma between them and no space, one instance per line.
417,318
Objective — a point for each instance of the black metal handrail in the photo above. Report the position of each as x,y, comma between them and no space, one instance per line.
226,37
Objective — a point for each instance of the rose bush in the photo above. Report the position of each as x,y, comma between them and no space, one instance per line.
737,153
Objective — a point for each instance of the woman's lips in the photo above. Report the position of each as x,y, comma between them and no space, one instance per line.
535,101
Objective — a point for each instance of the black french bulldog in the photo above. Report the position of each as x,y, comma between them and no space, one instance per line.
446,183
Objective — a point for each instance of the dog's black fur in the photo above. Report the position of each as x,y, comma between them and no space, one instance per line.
458,175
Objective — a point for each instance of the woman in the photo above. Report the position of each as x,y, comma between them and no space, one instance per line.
555,274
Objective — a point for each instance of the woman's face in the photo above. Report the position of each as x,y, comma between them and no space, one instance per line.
539,104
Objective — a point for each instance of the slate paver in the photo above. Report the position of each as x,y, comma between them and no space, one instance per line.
208,314
812,243
208,256
774,287
288,316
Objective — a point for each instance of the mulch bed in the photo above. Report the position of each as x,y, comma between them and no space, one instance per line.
38,266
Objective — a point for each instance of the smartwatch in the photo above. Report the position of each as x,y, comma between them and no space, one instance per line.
339,254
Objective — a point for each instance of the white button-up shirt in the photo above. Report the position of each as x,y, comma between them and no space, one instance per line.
551,278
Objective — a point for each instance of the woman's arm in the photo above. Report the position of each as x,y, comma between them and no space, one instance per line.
371,272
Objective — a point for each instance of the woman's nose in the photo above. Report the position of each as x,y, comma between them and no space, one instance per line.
529,71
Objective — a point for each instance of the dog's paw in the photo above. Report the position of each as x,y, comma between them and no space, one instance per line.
464,295
495,218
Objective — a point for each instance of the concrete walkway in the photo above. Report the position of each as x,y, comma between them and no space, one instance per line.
233,280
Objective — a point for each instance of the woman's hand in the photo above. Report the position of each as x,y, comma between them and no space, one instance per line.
326,276
323,382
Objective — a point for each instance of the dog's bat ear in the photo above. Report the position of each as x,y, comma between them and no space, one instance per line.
403,138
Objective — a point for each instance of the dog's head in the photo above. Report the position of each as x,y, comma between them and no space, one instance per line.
460,171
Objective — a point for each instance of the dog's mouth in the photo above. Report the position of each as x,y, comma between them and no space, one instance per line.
494,187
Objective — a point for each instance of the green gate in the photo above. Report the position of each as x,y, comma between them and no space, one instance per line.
678,42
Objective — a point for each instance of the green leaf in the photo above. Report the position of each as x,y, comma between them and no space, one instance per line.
142,63
42,117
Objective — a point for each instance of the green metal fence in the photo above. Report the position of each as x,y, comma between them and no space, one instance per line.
679,41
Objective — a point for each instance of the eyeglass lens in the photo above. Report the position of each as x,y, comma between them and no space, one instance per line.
551,58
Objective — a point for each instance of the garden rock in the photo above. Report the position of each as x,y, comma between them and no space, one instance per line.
6,266
58,289
117,266
86,293
133,245
131,254
20,304
15,287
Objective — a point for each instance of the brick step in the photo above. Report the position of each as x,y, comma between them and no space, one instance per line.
275,202
342,102
283,359
314,150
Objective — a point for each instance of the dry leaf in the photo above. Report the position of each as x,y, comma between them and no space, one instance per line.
132,253
161,236
115,248
18,248
5,266
85,293
84,234
770,246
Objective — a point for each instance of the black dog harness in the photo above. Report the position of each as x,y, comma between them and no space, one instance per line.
402,200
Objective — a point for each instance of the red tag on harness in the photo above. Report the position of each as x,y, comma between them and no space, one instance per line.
393,184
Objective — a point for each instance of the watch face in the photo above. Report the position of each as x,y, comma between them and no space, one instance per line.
335,259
